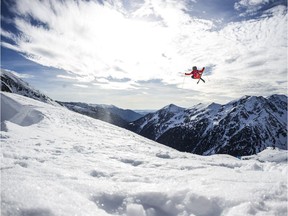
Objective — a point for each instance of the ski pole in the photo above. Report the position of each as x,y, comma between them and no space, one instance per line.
183,81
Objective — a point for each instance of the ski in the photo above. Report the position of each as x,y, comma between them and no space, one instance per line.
200,79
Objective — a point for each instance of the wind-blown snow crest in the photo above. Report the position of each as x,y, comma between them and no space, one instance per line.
57,162
23,115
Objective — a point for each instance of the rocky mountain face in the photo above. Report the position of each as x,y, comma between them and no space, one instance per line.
241,127
12,83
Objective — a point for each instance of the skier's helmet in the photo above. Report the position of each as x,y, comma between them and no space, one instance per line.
194,68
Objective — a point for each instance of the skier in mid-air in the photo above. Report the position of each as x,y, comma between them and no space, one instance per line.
196,74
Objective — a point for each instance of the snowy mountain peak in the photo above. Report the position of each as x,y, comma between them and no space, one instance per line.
172,108
278,97
280,101
214,106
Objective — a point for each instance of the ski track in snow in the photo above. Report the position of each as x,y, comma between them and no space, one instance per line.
57,162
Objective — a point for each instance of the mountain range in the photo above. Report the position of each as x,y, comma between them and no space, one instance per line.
241,127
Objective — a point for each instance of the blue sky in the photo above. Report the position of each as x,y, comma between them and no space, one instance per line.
134,54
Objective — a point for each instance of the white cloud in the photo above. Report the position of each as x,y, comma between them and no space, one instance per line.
250,3
67,77
90,40
81,85
250,6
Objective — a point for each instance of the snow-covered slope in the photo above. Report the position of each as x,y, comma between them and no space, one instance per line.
241,127
11,83
58,162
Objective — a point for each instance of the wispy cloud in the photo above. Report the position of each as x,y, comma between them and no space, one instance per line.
120,44
81,85
20,75
251,6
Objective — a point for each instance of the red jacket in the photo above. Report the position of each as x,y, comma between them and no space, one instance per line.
196,74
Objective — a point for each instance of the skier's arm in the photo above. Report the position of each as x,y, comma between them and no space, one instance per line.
201,71
188,73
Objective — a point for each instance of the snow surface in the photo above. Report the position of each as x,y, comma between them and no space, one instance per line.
57,162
